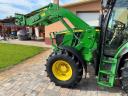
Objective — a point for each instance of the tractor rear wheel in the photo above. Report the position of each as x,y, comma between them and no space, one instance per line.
124,76
64,69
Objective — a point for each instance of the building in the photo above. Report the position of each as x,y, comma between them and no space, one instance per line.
88,11
8,24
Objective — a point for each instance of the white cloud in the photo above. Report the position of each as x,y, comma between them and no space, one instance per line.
40,3
8,10
9,7
25,3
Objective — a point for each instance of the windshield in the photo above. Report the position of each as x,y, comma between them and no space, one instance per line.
117,28
119,13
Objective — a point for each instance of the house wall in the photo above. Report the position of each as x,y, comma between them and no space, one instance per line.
92,6
85,7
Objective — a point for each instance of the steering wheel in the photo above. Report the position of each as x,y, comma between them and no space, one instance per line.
118,28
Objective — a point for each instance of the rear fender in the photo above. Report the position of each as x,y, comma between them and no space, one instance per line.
120,56
122,51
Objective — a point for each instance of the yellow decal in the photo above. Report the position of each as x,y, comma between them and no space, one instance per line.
43,14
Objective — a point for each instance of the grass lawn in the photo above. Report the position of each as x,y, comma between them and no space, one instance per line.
11,54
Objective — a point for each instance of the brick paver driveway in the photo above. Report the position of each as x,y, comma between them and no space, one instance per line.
29,79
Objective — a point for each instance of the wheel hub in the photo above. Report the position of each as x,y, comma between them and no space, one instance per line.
62,70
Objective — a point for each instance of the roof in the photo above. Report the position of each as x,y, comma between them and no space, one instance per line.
79,3
8,20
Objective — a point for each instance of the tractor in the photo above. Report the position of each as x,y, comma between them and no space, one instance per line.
105,48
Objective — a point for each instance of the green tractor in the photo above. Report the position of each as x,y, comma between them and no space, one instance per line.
76,48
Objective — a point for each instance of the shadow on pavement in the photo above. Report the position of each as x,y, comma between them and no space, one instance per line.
90,84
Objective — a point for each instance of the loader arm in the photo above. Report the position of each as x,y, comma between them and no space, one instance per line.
48,15
53,13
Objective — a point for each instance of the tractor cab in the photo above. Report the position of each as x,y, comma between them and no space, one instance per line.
115,29
113,41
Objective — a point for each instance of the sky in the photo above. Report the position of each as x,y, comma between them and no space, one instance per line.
10,7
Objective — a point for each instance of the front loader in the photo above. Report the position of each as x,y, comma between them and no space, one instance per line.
75,48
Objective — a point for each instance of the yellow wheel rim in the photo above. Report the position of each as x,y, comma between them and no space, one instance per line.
62,70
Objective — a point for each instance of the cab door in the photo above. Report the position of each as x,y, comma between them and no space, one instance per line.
117,28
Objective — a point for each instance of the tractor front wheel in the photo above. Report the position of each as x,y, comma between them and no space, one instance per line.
64,69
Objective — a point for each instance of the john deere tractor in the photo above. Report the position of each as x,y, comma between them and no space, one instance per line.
75,48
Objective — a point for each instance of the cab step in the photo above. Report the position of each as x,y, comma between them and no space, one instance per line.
102,83
110,61
106,72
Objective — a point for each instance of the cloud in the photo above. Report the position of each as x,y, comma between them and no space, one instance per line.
9,7
17,2
40,3
9,10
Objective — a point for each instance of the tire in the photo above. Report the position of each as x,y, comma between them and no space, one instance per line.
77,69
124,76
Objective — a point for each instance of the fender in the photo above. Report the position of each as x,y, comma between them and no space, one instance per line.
122,51
76,53
120,56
